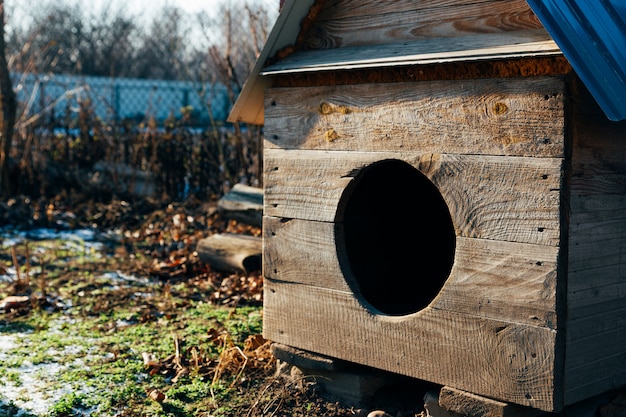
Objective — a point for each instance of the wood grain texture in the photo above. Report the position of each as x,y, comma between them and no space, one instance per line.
501,360
609,374
498,198
348,23
242,203
469,404
447,50
231,252
498,280
610,377
521,117
596,285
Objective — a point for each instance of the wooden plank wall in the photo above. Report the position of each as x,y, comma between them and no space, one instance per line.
342,23
596,289
494,149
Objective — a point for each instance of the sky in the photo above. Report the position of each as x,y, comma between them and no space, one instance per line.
191,6
20,8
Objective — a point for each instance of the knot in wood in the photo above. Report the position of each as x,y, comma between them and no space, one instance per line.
325,108
331,135
500,108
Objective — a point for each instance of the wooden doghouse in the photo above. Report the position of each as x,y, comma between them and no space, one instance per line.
443,198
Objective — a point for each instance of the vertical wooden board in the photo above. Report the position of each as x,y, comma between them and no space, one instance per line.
497,359
498,198
523,117
496,280
350,23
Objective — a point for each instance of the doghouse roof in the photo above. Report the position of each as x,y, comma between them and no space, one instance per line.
591,36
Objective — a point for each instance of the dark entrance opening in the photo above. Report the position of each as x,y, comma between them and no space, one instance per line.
395,238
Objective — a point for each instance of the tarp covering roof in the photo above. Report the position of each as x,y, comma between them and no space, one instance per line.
592,36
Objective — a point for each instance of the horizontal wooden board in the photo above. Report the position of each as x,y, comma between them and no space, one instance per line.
598,296
499,280
497,359
469,48
597,377
596,355
497,198
595,276
342,9
596,285
347,23
521,117
597,323
584,351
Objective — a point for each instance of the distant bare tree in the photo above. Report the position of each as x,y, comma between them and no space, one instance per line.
242,31
65,38
8,109
164,48
235,37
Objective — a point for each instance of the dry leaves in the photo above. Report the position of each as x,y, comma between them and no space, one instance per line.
233,362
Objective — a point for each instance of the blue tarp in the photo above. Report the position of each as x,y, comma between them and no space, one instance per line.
592,36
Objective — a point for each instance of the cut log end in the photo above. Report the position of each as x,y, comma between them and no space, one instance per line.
231,252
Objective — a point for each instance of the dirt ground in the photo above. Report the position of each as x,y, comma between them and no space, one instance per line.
167,234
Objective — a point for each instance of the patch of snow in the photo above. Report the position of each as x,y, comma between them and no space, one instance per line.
35,393
120,276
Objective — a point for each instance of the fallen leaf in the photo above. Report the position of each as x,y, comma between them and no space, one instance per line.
156,395
13,302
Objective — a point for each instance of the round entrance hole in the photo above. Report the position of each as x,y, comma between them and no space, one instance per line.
395,238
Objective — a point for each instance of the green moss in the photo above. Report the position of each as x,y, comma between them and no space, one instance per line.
66,405
100,345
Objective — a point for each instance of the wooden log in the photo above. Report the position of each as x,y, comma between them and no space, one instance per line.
244,204
230,252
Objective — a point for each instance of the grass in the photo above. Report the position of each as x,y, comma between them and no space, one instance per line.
100,345
103,366
135,325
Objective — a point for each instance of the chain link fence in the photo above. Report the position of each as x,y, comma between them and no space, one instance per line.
128,138
55,100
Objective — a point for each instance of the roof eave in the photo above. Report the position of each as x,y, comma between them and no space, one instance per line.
248,107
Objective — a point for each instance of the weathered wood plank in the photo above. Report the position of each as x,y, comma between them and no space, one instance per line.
595,355
499,280
500,198
596,276
501,360
231,252
598,295
522,117
596,280
593,310
244,204
302,251
584,351
342,9
598,323
608,372
458,49
352,23
503,280
468,404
